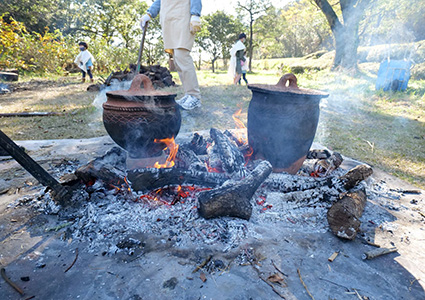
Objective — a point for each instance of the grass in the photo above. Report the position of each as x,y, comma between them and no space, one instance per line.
386,130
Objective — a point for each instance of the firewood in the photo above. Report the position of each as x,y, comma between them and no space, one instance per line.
187,159
148,179
378,252
109,168
233,199
286,183
344,215
355,176
230,156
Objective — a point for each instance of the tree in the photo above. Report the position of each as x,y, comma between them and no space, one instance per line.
253,9
219,32
345,33
295,30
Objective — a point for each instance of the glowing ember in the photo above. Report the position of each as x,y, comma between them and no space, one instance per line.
172,194
173,148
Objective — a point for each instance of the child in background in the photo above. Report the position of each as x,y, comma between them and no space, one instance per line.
244,68
84,61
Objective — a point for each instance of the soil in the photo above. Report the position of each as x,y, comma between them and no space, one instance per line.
36,246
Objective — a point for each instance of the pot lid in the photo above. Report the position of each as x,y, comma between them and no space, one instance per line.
136,91
292,88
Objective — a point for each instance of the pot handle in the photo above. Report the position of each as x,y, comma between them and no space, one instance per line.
288,77
137,81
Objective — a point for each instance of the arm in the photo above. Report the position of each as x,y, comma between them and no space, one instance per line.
153,11
195,7
240,56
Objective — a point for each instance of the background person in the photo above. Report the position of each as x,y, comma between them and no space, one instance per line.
180,20
84,61
236,56
244,69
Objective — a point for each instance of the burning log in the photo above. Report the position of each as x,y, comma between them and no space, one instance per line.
187,159
108,168
318,154
344,215
233,199
232,160
286,183
198,144
148,179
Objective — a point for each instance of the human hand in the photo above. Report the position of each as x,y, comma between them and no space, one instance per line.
144,20
195,24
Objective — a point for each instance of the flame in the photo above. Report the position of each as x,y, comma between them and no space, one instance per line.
171,195
173,147
239,125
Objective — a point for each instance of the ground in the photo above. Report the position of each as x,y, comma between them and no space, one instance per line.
31,247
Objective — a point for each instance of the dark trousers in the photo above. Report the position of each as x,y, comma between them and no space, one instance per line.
88,72
244,78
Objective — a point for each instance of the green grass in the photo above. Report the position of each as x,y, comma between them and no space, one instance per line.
386,130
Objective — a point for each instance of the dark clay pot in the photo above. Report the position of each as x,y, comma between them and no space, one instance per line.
135,118
282,122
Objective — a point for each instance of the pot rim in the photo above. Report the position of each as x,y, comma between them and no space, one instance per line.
300,92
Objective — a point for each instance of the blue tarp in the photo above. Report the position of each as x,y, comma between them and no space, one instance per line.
393,75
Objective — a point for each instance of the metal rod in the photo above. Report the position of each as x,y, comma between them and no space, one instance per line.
142,43
60,192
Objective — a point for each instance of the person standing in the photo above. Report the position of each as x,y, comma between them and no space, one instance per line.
244,69
84,61
236,57
180,20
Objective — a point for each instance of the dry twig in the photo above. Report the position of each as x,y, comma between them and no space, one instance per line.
10,282
270,284
274,265
203,264
302,281
75,259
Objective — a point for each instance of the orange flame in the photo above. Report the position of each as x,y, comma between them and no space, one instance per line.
173,147
239,125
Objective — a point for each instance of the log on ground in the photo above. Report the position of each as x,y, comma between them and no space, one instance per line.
233,199
344,215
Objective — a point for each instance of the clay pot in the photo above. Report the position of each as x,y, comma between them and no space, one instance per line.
282,122
136,117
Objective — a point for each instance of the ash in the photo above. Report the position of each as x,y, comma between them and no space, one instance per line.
110,221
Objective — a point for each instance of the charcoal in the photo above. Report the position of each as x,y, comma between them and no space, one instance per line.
233,199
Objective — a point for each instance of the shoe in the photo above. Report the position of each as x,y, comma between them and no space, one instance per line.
83,80
91,80
182,100
190,103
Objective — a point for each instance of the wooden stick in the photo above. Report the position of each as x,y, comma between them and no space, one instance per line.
61,194
378,252
30,114
10,282
333,256
302,281
274,265
75,259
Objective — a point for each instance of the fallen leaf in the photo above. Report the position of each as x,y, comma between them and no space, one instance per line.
203,277
276,278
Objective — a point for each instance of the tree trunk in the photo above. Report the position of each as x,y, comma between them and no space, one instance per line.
250,43
345,35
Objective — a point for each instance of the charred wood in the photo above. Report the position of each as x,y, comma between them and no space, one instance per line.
231,158
286,183
148,179
233,199
355,176
344,215
318,154
108,168
198,144
187,159
233,138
